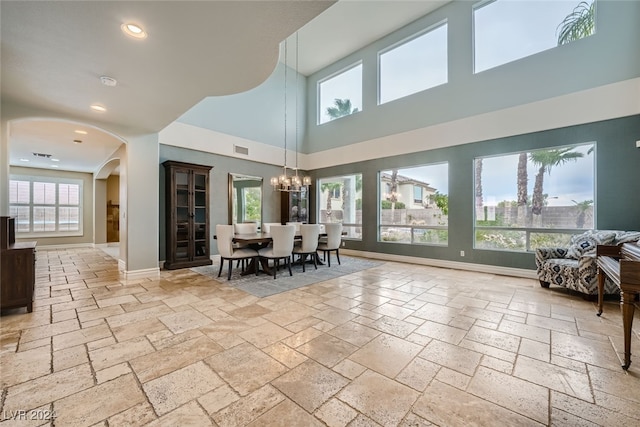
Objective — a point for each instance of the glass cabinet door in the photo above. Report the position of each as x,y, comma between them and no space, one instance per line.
200,214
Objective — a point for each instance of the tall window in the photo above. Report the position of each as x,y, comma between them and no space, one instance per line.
44,206
506,30
414,65
340,95
340,200
415,206
533,199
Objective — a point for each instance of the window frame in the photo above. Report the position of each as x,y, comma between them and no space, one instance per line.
332,76
402,42
529,231
412,228
31,179
319,194
481,4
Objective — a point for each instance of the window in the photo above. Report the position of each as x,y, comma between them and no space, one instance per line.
340,95
45,206
505,30
414,65
407,218
417,194
340,200
533,199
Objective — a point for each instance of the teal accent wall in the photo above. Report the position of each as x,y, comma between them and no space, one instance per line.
617,187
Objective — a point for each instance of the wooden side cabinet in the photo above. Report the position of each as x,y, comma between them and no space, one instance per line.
18,270
187,215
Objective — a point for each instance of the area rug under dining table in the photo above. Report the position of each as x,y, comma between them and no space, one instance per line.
264,285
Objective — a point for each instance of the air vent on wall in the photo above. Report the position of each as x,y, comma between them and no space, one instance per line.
46,156
241,150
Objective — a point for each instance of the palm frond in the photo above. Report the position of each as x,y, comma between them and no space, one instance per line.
578,24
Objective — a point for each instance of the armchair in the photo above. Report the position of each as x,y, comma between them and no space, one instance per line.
574,267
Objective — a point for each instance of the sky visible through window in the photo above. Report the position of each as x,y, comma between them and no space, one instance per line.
569,182
346,85
414,66
506,30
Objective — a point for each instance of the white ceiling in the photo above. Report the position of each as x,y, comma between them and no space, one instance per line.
54,52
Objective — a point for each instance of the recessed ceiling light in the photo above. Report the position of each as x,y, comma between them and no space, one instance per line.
81,132
55,166
55,160
99,108
24,160
134,30
108,81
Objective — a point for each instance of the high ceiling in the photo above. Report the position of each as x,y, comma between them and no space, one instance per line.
54,53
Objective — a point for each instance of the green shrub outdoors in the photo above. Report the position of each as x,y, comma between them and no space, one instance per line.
385,204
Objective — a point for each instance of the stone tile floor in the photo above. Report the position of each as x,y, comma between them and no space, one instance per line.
395,345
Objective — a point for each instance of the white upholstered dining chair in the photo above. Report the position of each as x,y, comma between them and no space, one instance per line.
308,245
282,236
224,236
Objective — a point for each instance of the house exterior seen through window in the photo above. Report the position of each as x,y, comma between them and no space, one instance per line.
340,200
414,209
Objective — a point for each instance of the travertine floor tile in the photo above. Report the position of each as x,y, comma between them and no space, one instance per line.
394,345
286,413
245,368
370,392
310,384
386,354
521,396
87,407
445,405
248,408
173,390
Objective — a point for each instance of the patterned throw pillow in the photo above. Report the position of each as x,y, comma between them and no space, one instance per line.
585,244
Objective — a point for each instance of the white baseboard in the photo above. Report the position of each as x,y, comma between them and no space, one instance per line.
481,268
139,274
122,266
65,246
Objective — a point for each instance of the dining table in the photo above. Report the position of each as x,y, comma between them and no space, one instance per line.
258,241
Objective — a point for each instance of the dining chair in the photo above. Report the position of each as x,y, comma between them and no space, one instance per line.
308,245
244,228
224,236
282,236
266,226
334,239
297,224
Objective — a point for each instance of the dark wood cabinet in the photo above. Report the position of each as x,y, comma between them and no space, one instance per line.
294,206
187,215
17,262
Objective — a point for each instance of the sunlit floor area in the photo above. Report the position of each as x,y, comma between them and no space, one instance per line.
397,344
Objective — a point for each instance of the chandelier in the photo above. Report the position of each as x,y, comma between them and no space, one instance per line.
289,180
